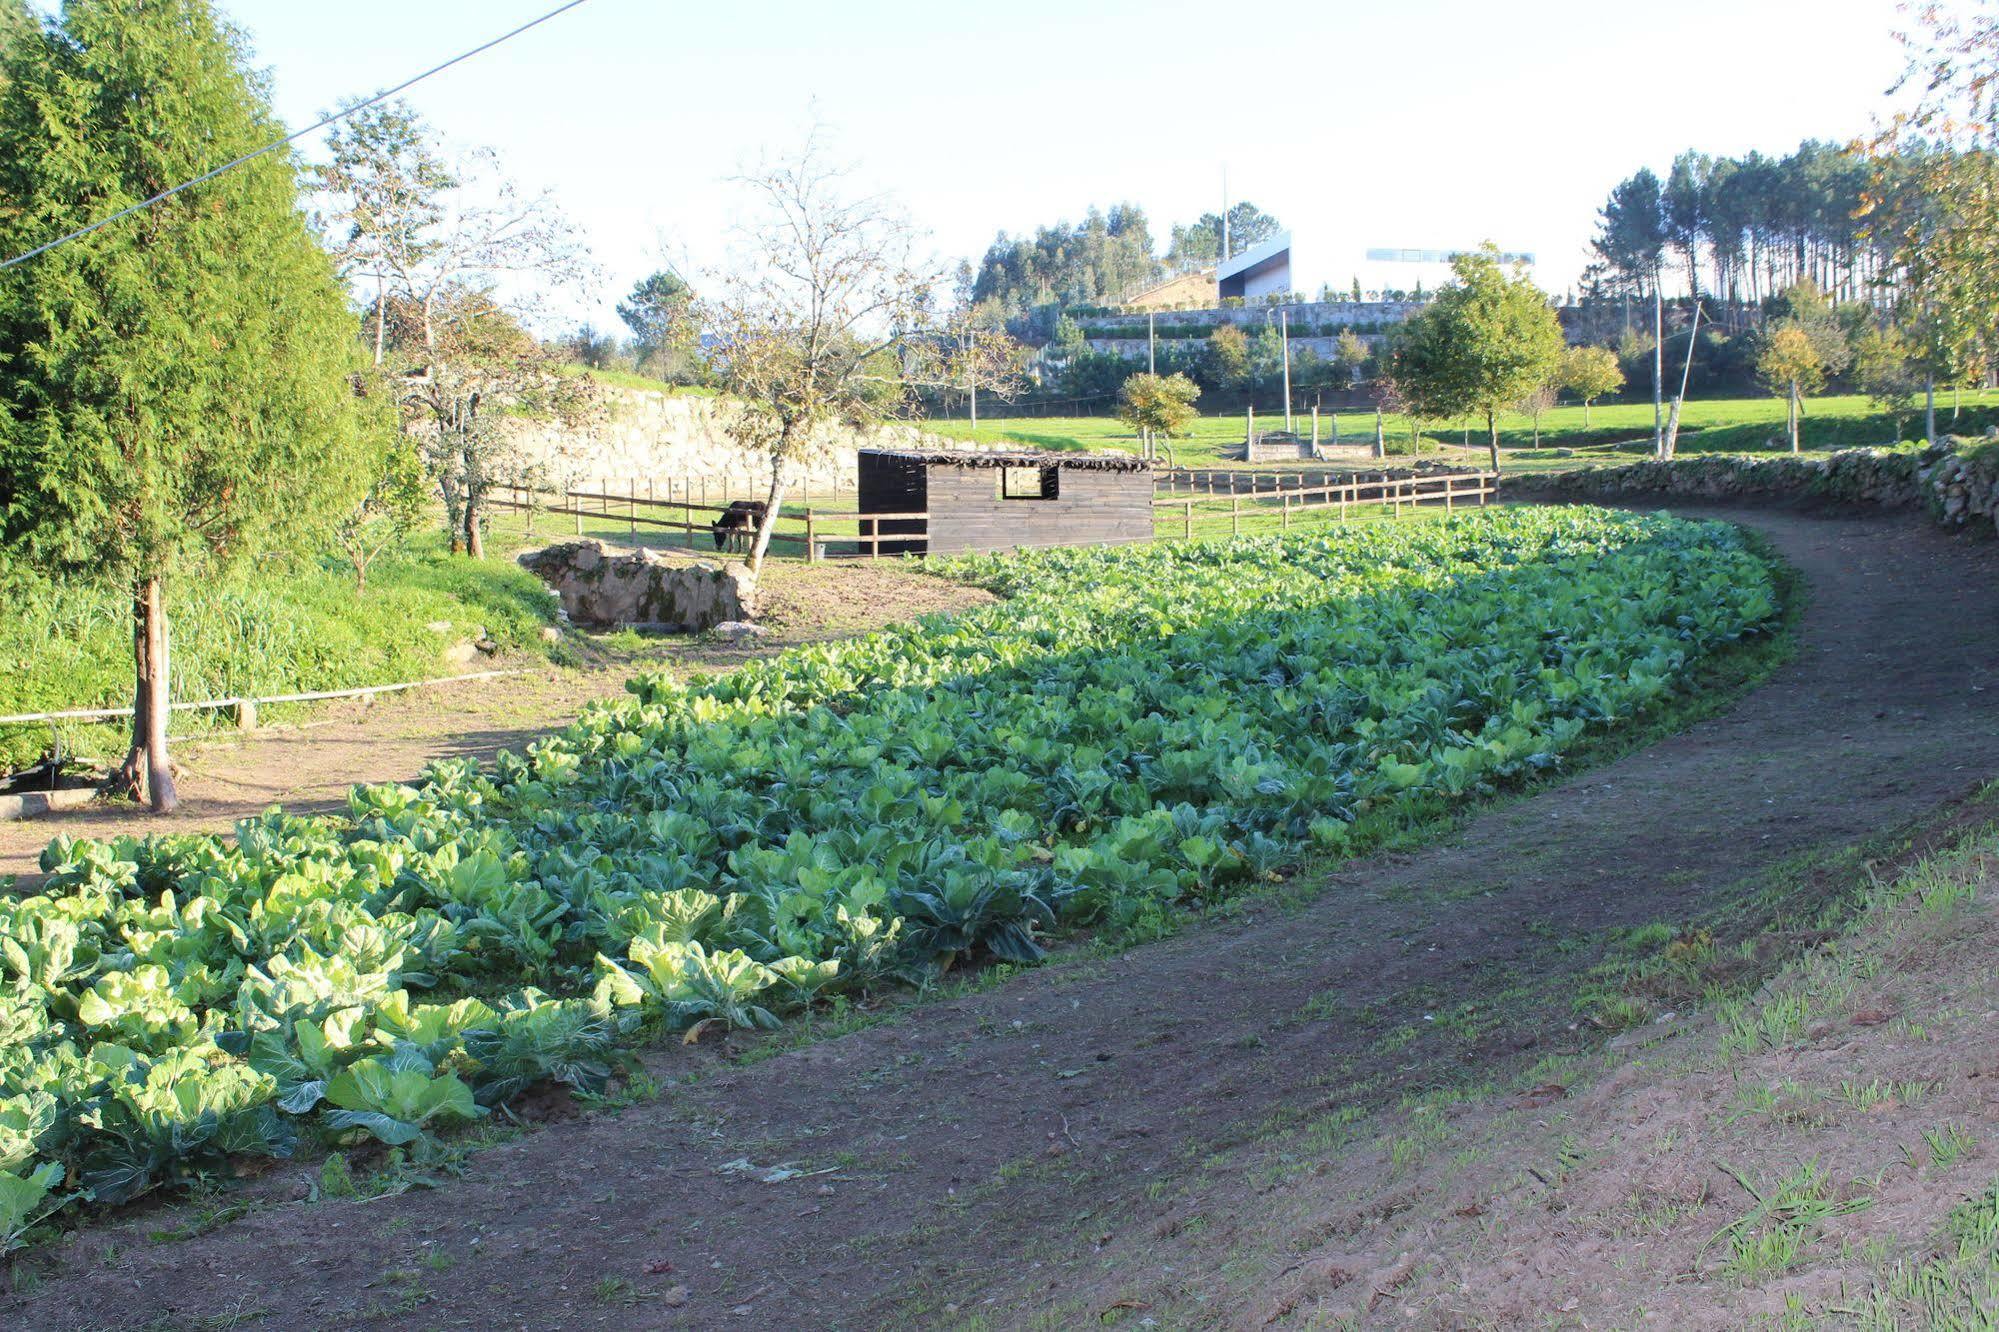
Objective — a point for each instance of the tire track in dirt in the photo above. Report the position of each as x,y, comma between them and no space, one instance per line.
985,1147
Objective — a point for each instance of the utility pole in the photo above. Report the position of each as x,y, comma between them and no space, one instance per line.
1225,213
1672,436
1658,367
972,373
1284,336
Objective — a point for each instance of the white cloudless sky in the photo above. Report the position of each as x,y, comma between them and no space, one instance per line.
1421,123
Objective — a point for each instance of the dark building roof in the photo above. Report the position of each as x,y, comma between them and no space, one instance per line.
1081,462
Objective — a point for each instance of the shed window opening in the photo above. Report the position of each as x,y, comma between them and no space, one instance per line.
1030,483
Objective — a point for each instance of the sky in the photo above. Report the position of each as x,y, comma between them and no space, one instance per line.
1422,124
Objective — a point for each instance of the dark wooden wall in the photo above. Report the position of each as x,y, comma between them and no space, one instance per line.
1090,508
893,485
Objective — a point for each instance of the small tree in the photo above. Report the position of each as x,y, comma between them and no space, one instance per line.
665,333
173,389
1590,373
1350,357
393,507
481,379
1789,364
1885,369
1482,345
1536,405
1156,405
1228,356
812,322
380,201
1069,340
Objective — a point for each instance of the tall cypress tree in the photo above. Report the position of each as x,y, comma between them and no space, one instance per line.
172,387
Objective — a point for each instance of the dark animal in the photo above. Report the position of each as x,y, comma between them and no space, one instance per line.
736,528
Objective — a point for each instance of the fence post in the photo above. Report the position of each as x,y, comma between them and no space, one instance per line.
1187,522
875,539
575,503
1235,513
632,506
1286,499
811,537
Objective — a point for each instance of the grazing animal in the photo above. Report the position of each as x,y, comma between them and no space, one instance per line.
736,528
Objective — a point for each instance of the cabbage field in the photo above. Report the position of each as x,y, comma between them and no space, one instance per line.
1132,733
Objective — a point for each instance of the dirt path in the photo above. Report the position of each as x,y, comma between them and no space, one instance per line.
308,766
1003,1155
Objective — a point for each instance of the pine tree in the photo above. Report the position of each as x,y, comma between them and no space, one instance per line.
172,391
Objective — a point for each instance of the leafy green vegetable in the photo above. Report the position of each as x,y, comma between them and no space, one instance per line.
1133,731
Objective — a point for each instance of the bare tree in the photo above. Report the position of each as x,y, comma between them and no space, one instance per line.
380,202
466,269
812,322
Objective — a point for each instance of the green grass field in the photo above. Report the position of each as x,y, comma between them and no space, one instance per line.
1616,432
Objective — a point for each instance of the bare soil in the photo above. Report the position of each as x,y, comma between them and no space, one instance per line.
1112,1139
309,764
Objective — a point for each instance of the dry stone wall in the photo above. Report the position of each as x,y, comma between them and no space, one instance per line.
680,437
1957,481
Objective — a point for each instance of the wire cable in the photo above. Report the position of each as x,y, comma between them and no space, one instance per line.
337,116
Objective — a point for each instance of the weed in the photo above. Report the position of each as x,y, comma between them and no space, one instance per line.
1785,1219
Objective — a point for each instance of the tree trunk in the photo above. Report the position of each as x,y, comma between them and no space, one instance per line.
1492,438
1585,413
1380,436
1792,416
772,502
381,317
475,544
1930,407
147,773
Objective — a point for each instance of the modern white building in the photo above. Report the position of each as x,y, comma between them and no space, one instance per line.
1262,270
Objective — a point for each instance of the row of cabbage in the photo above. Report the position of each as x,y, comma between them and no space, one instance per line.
1130,731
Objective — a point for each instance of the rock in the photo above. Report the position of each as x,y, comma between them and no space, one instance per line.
439,626
738,631
610,587
550,634
462,653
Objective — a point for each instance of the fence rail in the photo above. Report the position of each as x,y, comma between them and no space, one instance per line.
1263,491
245,708
814,528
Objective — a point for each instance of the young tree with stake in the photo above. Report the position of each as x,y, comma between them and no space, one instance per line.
174,392
1157,406
1590,373
1789,364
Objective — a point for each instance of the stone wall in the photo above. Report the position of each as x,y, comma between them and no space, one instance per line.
1957,481
1255,315
679,438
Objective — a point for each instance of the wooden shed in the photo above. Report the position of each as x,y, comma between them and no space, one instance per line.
990,500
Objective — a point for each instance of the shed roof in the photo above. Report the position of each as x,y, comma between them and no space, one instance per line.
1068,461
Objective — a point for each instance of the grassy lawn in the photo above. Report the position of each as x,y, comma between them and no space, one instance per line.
1616,431
282,626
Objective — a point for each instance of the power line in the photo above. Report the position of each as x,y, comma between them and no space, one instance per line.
340,115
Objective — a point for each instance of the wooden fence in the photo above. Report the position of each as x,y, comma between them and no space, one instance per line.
817,530
1264,491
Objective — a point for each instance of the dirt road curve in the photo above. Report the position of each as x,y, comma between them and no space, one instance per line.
1008,1155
